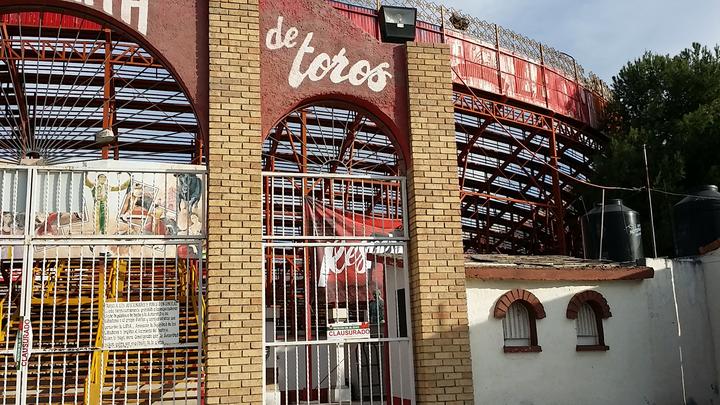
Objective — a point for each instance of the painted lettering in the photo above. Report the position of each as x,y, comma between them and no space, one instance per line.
142,8
26,342
126,11
322,64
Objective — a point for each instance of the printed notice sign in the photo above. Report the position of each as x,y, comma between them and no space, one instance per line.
348,330
141,325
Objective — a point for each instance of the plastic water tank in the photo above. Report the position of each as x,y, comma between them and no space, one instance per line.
621,233
697,220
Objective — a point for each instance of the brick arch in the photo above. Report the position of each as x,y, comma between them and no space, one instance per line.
507,299
594,298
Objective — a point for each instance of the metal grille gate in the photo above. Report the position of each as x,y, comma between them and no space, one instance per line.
336,289
102,285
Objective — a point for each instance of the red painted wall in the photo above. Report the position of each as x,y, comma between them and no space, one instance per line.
331,33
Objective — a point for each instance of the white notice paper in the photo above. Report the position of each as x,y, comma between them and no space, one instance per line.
348,330
141,324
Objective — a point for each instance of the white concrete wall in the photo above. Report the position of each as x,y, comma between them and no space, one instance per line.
711,265
649,362
694,340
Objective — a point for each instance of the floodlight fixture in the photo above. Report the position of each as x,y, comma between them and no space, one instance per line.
397,24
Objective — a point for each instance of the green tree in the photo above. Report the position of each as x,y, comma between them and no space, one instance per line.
671,104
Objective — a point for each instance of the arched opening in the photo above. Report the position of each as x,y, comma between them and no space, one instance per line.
587,326
332,137
102,199
334,235
519,310
588,309
517,326
75,89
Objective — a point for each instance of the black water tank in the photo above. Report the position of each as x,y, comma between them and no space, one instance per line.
697,220
622,239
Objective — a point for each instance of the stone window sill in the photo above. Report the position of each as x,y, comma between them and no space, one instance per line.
522,349
592,348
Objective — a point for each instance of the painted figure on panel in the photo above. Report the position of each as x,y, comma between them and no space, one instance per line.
50,224
12,224
189,189
100,190
137,207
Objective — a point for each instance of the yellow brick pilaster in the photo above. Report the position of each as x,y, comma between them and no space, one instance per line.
235,308
443,372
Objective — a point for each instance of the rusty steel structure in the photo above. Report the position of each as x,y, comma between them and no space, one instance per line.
526,118
525,114
516,168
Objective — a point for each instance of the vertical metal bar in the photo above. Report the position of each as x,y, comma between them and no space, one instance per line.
263,294
108,96
164,293
152,298
542,72
442,24
650,204
602,225
557,194
66,323
498,65
575,70
175,293
410,361
306,264
26,277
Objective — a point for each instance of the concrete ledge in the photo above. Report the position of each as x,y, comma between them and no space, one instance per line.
557,274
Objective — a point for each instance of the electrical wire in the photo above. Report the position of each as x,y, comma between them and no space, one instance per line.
699,197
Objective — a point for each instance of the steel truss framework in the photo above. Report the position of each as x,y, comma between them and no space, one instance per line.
64,78
516,168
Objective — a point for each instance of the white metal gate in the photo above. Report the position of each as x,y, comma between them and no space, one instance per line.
102,285
337,327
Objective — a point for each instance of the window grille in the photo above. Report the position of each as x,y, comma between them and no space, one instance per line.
587,328
516,326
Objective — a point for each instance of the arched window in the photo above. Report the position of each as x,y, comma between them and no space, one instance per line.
589,308
516,326
587,327
519,310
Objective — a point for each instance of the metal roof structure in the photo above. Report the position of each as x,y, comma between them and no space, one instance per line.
64,78
526,118
522,140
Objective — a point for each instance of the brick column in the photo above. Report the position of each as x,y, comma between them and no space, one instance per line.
443,372
234,343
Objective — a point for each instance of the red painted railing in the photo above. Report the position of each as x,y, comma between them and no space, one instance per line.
490,67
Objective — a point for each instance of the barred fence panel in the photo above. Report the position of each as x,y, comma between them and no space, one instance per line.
102,291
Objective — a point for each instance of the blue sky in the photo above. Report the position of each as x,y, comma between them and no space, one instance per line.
604,35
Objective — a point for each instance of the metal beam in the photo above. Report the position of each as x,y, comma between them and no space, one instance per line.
108,96
71,50
557,196
19,92
348,141
82,79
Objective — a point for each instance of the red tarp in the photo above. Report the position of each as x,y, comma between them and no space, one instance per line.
348,272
